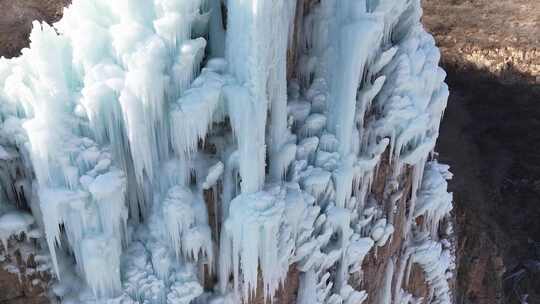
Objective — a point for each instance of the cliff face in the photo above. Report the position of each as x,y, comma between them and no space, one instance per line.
21,278
490,51
341,185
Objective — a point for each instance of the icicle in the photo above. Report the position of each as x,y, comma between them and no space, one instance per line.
216,30
109,190
253,228
251,149
435,261
53,203
191,115
355,43
385,294
381,231
189,238
282,16
14,223
214,173
101,264
434,202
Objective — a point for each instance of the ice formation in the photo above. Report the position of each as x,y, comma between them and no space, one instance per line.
14,223
169,154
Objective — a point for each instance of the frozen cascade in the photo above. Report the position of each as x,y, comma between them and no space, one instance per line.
256,48
357,31
434,202
180,211
261,233
171,153
436,260
14,223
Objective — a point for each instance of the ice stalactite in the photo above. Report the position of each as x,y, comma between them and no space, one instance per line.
110,86
181,209
175,162
262,231
253,228
400,97
96,252
14,223
385,294
256,49
434,202
436,261
192,113
356,32
64,171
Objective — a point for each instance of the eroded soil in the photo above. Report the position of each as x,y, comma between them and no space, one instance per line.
491,138
16,18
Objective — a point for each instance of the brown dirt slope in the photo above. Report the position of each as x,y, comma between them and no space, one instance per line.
491,51
16,21
501,37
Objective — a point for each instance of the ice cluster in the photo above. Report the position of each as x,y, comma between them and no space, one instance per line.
170,156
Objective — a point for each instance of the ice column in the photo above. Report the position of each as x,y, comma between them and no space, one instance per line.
358,37
257,36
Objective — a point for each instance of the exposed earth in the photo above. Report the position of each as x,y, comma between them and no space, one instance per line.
16,21
490,136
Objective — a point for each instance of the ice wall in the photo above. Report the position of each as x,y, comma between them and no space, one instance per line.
168,158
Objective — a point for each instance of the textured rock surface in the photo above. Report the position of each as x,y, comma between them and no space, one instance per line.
20,280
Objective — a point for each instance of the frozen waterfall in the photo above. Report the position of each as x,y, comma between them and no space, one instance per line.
201,151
